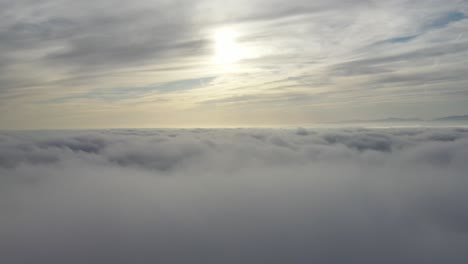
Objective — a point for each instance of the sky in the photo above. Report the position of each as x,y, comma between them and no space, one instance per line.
206,63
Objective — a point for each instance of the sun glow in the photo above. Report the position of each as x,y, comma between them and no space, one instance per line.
227,49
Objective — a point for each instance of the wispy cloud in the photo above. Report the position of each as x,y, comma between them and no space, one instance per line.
102,54
125,93
436,23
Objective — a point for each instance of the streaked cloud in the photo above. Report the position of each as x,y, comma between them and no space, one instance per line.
343,57
125,93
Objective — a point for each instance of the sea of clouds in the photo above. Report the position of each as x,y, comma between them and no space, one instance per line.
395,195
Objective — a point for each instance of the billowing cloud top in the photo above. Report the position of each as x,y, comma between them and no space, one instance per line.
234,196
184,63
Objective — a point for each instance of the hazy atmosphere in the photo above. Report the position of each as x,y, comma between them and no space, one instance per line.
207,63
233,132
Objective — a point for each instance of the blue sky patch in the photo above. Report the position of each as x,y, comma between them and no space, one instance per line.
402,39
445,20
439,22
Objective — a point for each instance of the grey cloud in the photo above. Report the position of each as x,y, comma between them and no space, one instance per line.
125,93
114,39
167,148
84,144
99,36
432,76
434,23
302,131
261,10
234,196
425,53
362,141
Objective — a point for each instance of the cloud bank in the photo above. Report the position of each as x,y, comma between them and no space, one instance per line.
234,196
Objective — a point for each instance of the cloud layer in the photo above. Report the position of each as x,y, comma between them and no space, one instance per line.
234,196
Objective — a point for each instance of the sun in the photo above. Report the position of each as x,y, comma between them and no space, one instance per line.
227,49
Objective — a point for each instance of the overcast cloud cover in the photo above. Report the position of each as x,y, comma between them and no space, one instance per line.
394,195
149,63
